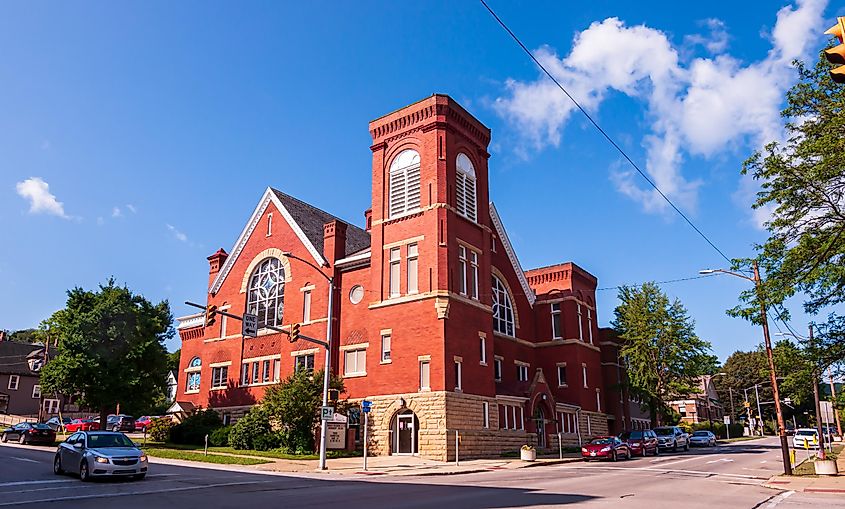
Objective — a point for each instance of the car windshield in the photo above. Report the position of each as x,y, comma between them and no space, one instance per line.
601,441
631,435
807,432
110,440
664,431
700,434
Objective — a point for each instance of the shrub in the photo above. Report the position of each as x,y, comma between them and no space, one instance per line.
248,429
220,436
267,441
194,428
159,429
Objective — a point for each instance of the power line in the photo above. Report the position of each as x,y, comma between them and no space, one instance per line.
661,282
602,131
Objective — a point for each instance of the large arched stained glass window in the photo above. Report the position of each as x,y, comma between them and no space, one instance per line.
503,321
193,374
266,294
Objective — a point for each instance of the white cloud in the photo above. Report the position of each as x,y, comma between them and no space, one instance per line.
41,200
698,108
100,221
115,212
177,234
131,208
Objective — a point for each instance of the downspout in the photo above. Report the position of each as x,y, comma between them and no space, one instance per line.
578,416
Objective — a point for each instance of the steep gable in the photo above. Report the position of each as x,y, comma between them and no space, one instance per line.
506,243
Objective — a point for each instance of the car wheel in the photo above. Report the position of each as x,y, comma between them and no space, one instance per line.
657,451
675,446
22,439
4,438
139,477
57,465
84,474
115,428
686,447
613,457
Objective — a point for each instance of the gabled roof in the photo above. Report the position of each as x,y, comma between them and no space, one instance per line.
307,223
506,242
14,357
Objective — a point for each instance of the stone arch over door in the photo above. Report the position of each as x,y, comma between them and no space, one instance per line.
389,419
543,418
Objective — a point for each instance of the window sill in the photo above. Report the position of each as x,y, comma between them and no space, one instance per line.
497,380
354,375
458,389
259,384
388,361
482,363
425,389
563,386
193,392
223,388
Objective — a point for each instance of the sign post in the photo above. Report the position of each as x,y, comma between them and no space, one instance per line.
249,326
365,407
727,420
326,413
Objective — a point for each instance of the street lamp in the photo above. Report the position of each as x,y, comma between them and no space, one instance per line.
758,286
326,370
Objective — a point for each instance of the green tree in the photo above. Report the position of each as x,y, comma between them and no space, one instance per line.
173,361
26,336
802,183
110,349
663,355
294,406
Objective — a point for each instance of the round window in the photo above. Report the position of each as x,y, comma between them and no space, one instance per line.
356,294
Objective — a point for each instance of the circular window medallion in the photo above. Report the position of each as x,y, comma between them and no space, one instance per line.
356,294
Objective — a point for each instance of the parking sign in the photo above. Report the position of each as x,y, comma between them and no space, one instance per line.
327,413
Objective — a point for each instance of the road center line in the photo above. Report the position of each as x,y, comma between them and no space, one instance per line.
24,459
130,493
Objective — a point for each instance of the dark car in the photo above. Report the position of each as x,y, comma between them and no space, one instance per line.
642,442
120,422
57,424
672,437
605,448
29,433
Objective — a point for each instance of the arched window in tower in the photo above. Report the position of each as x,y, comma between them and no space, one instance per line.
465,200
266,294
503,321
404,183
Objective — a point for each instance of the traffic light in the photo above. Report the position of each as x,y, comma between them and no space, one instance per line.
210,315
836,54
334,395
294,333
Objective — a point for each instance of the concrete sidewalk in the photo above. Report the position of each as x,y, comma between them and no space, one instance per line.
812,483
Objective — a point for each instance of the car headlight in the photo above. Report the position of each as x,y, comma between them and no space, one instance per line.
101,459
605,449
143,457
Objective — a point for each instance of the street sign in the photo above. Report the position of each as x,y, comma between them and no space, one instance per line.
249,327
366,406
746,404
727,419
326,413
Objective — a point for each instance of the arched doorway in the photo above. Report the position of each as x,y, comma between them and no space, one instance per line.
406,431
540,426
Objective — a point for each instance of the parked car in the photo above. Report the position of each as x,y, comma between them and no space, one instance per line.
806,437
703,438
120,422
82,425
143,422
57,424
100,454
672,437
611,448
29,433
642,442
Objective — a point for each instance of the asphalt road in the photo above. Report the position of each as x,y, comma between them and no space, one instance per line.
727,476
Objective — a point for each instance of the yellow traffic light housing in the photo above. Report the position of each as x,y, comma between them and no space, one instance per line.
210,315
294,332
836,54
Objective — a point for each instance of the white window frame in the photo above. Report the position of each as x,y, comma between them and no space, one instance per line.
360,354
413,265
394,272
580,324
557,321
425,375
504,319
51,406
36,391
598,399
485,412
522,371
458,375
385,348
466,200
483,352
14,386
269,224
497,368
462,269
590,324
584,374
306,306
260,297
561,381
218,379
302,360
404,184
473,272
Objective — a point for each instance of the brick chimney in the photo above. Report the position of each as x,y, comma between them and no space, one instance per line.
334,241
215,262
368,219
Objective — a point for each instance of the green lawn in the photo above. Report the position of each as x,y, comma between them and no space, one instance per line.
276,454
198,456
807,468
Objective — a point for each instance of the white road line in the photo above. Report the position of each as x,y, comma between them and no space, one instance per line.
24,459
726,460
673,460
23,483
130,493
653,469
778,499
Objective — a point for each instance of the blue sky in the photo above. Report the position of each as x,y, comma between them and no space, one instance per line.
135,139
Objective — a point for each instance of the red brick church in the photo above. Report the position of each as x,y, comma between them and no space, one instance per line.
436,322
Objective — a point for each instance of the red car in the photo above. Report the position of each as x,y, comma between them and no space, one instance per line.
81,425
605,448
143,422
642,442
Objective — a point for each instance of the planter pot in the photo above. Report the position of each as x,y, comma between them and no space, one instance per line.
825,467
529,455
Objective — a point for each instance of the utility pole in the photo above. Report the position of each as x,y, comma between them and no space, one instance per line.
760,411
819,430
784,444
833,401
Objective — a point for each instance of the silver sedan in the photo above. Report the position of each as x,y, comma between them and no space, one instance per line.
100,454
